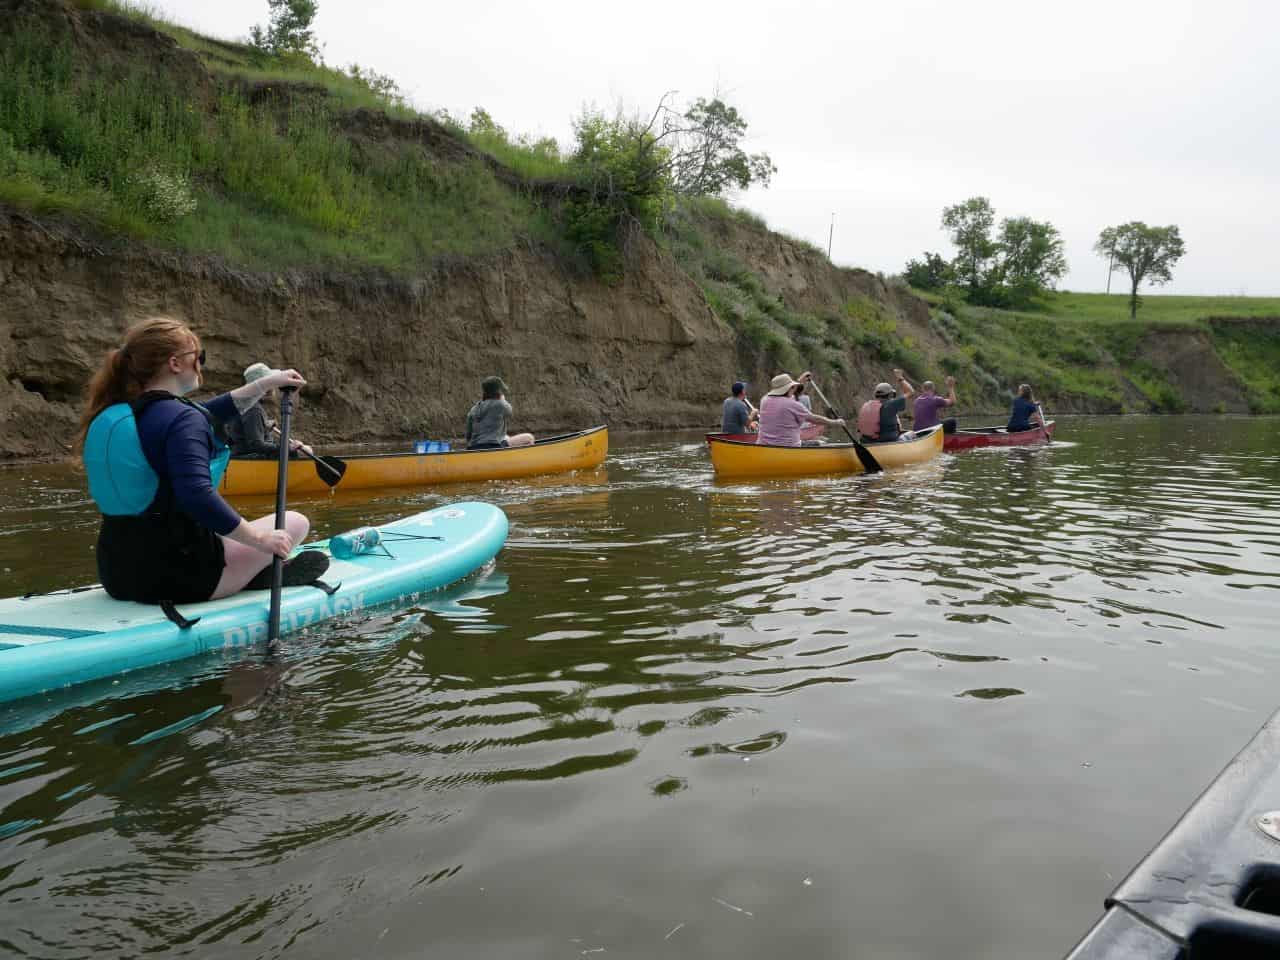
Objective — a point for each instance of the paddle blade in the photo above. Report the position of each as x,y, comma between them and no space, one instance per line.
330,469
869,463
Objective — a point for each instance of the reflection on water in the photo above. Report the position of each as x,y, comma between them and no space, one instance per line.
933,712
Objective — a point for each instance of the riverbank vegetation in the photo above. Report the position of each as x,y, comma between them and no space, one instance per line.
1086,349
260,154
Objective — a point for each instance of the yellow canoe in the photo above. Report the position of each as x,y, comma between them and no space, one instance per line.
735,458
574,451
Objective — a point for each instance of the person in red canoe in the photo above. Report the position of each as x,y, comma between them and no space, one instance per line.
924,412
782,416
1026,413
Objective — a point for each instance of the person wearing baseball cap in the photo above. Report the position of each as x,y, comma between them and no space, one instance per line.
250,436
738,416
878,419
489,417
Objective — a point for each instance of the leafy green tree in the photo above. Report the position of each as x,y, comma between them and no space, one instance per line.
705,156
629,170
1145,253
623,183
288,32
970,224
931,273
1031,257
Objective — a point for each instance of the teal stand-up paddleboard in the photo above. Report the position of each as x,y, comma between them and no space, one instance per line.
59,639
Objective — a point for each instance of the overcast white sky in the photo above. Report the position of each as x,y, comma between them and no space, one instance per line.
1085,113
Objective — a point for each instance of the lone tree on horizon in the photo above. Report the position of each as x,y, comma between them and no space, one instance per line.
1147,253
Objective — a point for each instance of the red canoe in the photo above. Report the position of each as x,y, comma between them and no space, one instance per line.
996,437
812,432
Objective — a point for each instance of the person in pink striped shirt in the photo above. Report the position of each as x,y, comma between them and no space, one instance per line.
782,416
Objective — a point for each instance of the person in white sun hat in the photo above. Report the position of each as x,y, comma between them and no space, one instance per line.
250,436
782,416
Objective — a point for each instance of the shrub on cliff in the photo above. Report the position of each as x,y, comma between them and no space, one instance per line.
631,170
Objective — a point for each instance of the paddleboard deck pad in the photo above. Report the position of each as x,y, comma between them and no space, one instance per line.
67,637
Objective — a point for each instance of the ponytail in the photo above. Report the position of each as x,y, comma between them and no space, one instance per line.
148,345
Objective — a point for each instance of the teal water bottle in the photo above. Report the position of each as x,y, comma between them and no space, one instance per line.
347,545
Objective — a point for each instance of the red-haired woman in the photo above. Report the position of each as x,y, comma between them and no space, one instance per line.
167,536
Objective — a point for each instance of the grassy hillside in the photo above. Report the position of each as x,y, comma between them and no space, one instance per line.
215,149
1082,348
1156,309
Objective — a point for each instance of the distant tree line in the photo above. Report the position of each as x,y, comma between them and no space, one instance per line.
1008,268
1025,259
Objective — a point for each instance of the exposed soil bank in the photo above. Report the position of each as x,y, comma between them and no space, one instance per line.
394,360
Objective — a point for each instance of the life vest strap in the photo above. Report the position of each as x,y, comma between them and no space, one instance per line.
171,612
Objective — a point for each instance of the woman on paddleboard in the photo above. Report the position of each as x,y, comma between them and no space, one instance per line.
154,460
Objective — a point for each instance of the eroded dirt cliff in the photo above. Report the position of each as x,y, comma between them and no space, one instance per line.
386,359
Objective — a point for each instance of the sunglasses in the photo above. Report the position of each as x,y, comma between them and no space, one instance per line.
199,355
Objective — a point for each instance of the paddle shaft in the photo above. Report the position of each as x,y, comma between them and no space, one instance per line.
310,456
869,463
282,486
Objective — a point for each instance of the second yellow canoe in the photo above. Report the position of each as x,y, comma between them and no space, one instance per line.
574,451
737,459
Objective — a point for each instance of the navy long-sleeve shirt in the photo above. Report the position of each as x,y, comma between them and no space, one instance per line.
176,442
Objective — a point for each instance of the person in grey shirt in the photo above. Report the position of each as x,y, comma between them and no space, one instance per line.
738,416
487,421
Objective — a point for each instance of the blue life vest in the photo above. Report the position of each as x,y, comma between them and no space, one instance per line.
121,481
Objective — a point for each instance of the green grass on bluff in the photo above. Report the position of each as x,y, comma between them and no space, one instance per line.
253,162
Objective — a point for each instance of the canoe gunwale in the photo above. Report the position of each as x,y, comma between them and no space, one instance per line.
548,442
924,434
1001,431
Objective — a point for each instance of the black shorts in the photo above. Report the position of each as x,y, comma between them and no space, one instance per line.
150,561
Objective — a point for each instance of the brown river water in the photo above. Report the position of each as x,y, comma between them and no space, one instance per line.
937,713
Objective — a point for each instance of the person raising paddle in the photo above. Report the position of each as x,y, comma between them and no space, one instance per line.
154,460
